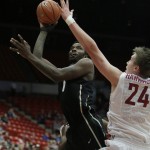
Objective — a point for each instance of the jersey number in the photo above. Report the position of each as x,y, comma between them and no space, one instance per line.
143,98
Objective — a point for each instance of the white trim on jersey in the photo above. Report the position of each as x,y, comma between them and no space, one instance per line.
80,93
64,85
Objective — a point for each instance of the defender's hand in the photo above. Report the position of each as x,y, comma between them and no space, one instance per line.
65,11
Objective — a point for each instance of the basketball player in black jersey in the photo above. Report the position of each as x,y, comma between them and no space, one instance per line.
77,94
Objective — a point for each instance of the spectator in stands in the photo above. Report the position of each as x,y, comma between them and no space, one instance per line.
21,143
28,145
41,118
46,136
1,138
16,147
1,130
4,118
11,114
77,94
49,115
57,137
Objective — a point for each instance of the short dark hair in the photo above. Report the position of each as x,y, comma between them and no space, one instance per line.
143,60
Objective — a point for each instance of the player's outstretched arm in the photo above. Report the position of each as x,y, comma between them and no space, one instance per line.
102,64
79,69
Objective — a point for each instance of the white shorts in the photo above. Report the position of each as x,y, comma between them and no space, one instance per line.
122,144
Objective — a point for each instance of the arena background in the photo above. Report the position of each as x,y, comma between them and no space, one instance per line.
117,27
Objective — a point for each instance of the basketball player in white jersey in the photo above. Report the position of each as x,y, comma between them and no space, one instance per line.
129,112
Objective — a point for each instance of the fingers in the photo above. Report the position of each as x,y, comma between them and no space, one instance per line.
72,12
67,3
16,43
20,47
22,40
13,49
62,2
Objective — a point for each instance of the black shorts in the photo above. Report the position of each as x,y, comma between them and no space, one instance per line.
86,135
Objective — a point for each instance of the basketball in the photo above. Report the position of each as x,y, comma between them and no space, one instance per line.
48,12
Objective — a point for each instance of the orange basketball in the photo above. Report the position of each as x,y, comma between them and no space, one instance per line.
48,12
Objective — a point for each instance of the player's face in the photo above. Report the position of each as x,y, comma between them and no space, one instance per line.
76,52
131,66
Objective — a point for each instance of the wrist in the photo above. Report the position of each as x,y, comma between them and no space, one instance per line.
69,20
44,29
48,28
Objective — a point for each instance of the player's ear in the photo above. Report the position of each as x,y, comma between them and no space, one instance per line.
137,68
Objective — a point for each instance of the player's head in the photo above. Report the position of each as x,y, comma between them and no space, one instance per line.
140,62
76,52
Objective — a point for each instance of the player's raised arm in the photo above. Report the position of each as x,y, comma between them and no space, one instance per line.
102,64
48,14
39,44
78,69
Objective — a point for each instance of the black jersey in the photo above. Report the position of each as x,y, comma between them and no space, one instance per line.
76,96
77,99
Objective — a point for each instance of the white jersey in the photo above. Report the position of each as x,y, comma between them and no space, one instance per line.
129,112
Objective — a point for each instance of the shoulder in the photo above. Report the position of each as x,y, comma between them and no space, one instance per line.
86,61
